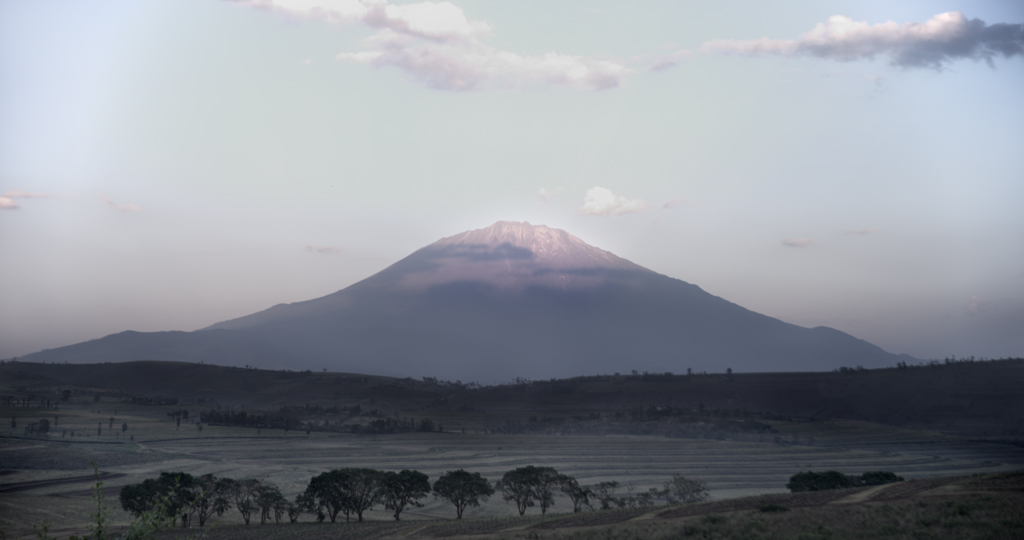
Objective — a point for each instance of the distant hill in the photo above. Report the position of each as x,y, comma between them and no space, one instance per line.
510,300
978,399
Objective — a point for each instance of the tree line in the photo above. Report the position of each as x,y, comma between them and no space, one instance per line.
179,496
820,481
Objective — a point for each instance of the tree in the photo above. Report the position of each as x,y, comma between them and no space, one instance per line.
815,481
172,491
605,493
579,495
124,427
462,489
517,485
544,487
268,498
403,489
65,395
326,493
364,487
210,495
682,490
296,508
243,494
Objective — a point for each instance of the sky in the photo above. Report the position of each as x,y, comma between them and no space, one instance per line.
165,165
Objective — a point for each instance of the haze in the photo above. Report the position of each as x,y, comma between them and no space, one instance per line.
170,164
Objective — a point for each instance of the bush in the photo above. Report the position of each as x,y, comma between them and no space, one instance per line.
877,478
818,481
772,507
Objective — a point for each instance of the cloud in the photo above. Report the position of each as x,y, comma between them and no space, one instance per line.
472,65
437,21
674,202
323,249
796,242
671,59
868,230
439,46
975,305
943,38
132,207
7,199
18,194
544,194
600,201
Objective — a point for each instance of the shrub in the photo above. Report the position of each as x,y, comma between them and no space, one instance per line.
877,478
772,507
818,481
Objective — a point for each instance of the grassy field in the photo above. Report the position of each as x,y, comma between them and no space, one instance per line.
639,434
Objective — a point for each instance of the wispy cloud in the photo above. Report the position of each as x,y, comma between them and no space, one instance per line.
674,202
323,249
868,230
600,201
942,39
544,194
439,46
18,194
130,207
7,199
796,242
666,61
975,305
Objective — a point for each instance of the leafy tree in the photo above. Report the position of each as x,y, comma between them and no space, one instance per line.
326,492
682,490
243,493
269,498
403,489
818,481
579,495
544,487
605,493
294,511
462,489
174,491
365,488
210,495
529,485
517,485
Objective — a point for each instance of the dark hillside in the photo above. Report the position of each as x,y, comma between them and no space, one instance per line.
970,398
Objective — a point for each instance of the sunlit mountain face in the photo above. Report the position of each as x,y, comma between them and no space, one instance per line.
510,300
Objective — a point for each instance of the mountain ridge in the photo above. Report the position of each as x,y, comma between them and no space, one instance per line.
510,300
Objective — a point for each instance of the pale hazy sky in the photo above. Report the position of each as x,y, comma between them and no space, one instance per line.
168,164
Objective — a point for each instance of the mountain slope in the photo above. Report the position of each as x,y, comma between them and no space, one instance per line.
511,300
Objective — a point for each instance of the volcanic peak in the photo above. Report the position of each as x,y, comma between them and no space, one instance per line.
540,246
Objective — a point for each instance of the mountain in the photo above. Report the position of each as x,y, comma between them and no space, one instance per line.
510,300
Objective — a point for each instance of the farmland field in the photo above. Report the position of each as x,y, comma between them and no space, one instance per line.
48,477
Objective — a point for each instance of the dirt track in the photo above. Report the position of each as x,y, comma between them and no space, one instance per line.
25,486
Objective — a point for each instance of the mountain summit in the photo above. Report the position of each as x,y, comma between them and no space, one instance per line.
510,300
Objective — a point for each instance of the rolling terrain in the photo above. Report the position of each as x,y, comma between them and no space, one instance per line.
743,433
